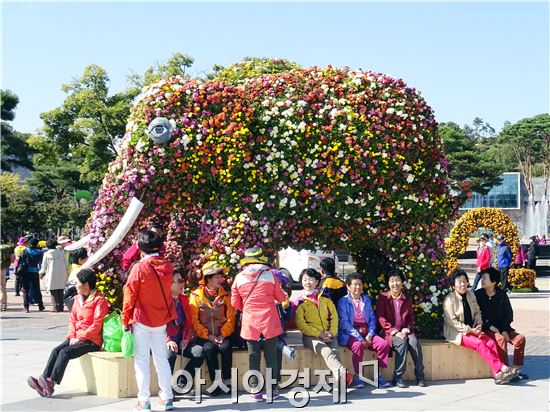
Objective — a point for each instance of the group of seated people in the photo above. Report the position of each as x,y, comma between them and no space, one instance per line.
329,313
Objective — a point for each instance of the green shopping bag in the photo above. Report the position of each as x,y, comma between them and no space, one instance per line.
127,344
112,332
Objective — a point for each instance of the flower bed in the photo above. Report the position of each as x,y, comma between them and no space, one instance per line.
522,278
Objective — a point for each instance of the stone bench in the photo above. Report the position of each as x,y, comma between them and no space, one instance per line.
110,375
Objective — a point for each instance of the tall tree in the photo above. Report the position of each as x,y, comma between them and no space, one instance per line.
15,150
467,161
529,140
88,126
176,65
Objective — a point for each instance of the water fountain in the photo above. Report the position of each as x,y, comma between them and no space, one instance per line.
535,218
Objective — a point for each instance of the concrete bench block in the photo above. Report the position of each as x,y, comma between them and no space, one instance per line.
111,375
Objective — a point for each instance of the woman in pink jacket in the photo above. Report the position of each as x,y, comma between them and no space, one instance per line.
254,292
483,259
85,327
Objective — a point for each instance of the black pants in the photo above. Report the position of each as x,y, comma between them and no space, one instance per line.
57,297
18,282
476,281
61,355
194,353
31,280
211,354
270,355
401,347
504,278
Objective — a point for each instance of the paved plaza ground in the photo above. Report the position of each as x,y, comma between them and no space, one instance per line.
27,340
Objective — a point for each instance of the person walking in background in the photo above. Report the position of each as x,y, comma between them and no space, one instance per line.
6,251
255,291
54,269
21,245
85,327
491,247
532,253
28,266
357,329
520,260
483,260
332,287
395,314
504,260
497,316
463,326
147,308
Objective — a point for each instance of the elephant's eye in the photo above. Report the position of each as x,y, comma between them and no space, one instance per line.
160,130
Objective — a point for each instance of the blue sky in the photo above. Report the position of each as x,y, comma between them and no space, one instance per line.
468,59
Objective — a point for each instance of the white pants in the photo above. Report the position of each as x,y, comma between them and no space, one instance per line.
151,339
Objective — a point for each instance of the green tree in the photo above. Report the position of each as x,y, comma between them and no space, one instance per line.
176,65
87,128
54,182
18,214
467,159
529,141
15,149
251,67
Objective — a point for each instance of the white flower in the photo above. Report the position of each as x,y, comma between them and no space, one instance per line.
283,203
410,178
434,300
292,203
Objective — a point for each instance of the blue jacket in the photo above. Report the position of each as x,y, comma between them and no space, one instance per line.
346,315
504,256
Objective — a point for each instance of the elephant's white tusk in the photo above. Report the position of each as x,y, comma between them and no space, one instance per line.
121,230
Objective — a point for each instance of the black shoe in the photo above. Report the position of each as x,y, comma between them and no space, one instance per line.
399,383
422,383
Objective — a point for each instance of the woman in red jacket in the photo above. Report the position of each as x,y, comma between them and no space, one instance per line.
483,259
85,326
395,314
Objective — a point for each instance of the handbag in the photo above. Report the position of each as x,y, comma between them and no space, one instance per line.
69,294
171,327
361,328
21,267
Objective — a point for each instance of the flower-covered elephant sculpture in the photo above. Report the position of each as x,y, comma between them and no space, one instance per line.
319,158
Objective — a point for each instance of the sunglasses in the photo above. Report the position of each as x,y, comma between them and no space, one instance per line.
178,281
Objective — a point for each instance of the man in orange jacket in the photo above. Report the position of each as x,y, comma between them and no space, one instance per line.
85,326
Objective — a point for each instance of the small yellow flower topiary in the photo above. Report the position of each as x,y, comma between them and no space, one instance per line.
486,217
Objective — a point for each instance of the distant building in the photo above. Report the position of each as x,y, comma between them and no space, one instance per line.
511,196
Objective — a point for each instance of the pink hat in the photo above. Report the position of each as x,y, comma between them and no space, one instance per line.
21,241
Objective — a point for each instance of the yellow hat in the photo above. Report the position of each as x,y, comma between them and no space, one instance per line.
253,255
211,268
